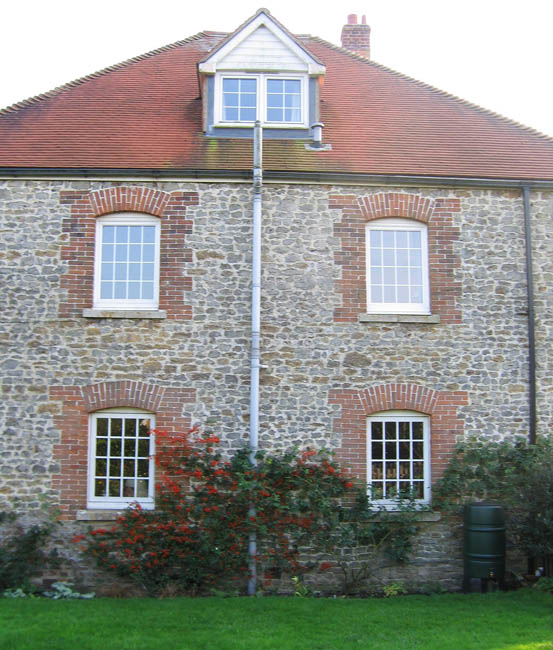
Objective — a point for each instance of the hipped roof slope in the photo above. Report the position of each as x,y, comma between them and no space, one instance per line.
145,113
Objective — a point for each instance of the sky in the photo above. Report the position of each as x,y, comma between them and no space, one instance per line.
495,53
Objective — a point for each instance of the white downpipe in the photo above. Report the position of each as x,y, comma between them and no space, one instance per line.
256,330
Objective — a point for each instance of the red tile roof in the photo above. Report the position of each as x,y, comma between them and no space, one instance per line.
145,113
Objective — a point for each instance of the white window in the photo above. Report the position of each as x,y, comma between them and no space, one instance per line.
127,262
275,100
121,467
398,456
397,267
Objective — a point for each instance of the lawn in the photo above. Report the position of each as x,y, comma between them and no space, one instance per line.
499,621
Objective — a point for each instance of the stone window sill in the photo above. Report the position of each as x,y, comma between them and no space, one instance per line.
424,516
399,318
98,515
125,313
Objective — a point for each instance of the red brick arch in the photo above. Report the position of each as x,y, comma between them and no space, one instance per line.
80,230
356,211
356,405
77,402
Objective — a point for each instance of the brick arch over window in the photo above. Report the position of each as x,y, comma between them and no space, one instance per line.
438,214
77,402
356,405
80,229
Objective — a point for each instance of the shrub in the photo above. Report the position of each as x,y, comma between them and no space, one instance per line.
207,508
517,475
22,553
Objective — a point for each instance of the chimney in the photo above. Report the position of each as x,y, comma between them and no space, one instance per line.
357,38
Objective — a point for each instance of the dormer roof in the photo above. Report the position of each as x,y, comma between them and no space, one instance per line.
261,44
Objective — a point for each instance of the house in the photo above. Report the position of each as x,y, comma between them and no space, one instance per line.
406,271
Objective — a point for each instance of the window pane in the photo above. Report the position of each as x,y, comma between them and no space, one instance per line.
275,85
230,85
135,252
248,85
148,234
376,450
100,488
376,238
402,239
230,114
275,101
247,114
388,239
101,447
389,294
108,234
106,290
130,447
148,290
115,447
274,115
114,488
390,430
101,467
135,234
121,252
120,271
122,234
376,430
134,291
391,449
418,430
119,290
108,252
403,294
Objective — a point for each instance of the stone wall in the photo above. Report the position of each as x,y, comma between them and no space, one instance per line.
477,357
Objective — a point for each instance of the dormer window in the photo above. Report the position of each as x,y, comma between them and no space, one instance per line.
261,72
276,100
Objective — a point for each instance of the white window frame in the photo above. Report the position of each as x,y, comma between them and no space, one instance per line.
110,502
374,483
399,224
126,219
261,104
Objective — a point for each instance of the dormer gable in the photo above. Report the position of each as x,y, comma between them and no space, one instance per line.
260,72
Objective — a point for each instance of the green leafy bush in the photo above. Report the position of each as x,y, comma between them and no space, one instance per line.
513,473
22,552
207,508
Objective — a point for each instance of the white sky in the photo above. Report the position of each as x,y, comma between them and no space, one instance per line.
495,53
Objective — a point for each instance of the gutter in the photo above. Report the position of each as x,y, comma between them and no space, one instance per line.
206,175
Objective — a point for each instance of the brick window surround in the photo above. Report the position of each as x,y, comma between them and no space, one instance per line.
356,405
80,230
77,402
438,214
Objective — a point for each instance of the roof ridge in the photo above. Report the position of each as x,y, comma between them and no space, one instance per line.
434,89
99,73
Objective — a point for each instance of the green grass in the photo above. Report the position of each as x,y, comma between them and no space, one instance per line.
521,620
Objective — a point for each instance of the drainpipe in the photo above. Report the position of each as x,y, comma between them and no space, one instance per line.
256,331
531,319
